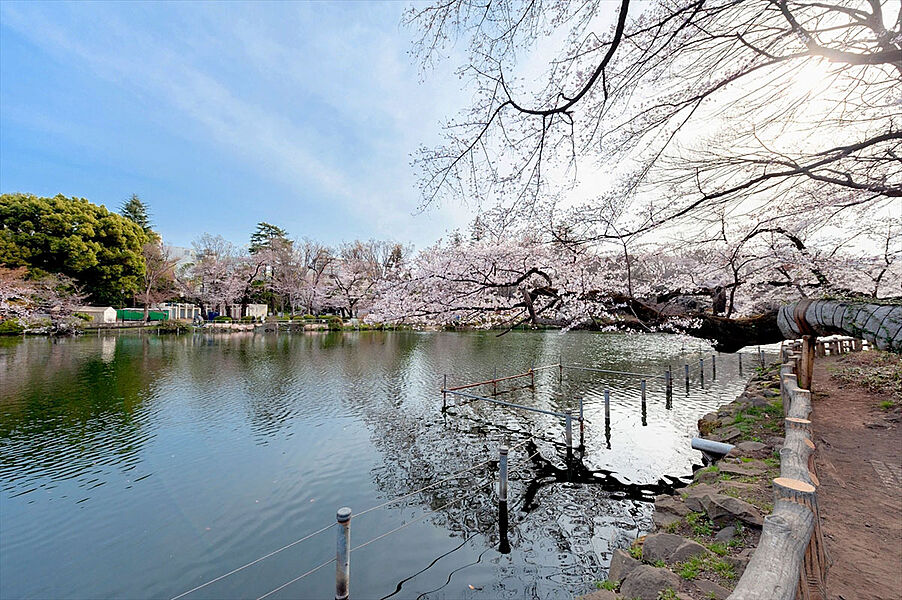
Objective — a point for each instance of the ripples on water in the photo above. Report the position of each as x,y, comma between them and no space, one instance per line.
141,466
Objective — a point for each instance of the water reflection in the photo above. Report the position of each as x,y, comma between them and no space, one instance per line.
176,458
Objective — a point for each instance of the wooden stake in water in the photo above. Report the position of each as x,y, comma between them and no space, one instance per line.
343,554
687,377
607,405
713,366
644,413
568,425
502,474
739,355
444,393
668,379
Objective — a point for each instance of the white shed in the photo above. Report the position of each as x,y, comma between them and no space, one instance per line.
98,314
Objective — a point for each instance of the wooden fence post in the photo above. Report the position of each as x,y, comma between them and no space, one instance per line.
806,363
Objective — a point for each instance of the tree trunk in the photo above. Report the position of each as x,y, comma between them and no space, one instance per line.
880,324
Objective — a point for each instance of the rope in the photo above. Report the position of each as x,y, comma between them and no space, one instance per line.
253,562
375,539
298,578
420,518
432,485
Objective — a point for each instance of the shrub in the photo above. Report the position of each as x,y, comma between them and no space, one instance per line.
222,319
335,323
11,327
172,327
248,319
82,316
308,317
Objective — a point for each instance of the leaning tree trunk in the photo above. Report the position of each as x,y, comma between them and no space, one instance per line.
880,324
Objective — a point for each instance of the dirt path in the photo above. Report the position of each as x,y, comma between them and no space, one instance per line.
859,462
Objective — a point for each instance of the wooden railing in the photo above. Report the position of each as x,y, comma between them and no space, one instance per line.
791,560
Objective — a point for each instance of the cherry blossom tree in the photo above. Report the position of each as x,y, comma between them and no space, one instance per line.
357,269
218,275
743,152
43,304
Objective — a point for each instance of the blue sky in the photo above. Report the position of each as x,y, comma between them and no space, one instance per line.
220,115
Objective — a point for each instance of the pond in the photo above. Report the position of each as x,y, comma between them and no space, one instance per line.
142,466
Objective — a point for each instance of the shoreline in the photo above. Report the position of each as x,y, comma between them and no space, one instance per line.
706,532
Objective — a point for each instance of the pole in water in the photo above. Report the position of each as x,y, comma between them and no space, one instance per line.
701,371
560,367
568,425
740,362
644,411
502,474
668,387
495,382
504,546
713,366
343,553
581,422
687,377
607,405
444,393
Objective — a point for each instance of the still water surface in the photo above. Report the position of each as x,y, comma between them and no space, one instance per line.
143,466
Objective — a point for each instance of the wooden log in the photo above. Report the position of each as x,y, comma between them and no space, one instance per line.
773,573
798,401
794,457
792,423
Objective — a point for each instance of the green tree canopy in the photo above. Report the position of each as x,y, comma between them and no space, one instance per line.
266,236
99,249
135,210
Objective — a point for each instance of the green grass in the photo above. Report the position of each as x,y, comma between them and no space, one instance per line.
693,567
731,492
690,569
667,594
607,585
700,523
660,563
887,404
718,548
636,552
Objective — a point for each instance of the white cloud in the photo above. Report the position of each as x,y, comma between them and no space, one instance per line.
212,86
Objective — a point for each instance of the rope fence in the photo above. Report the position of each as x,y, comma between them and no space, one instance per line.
344,551
451,477
344,515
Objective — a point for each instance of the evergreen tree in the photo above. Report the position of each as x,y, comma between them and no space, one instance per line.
266,236
100,250
135,210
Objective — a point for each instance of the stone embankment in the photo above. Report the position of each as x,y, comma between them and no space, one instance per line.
706,533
